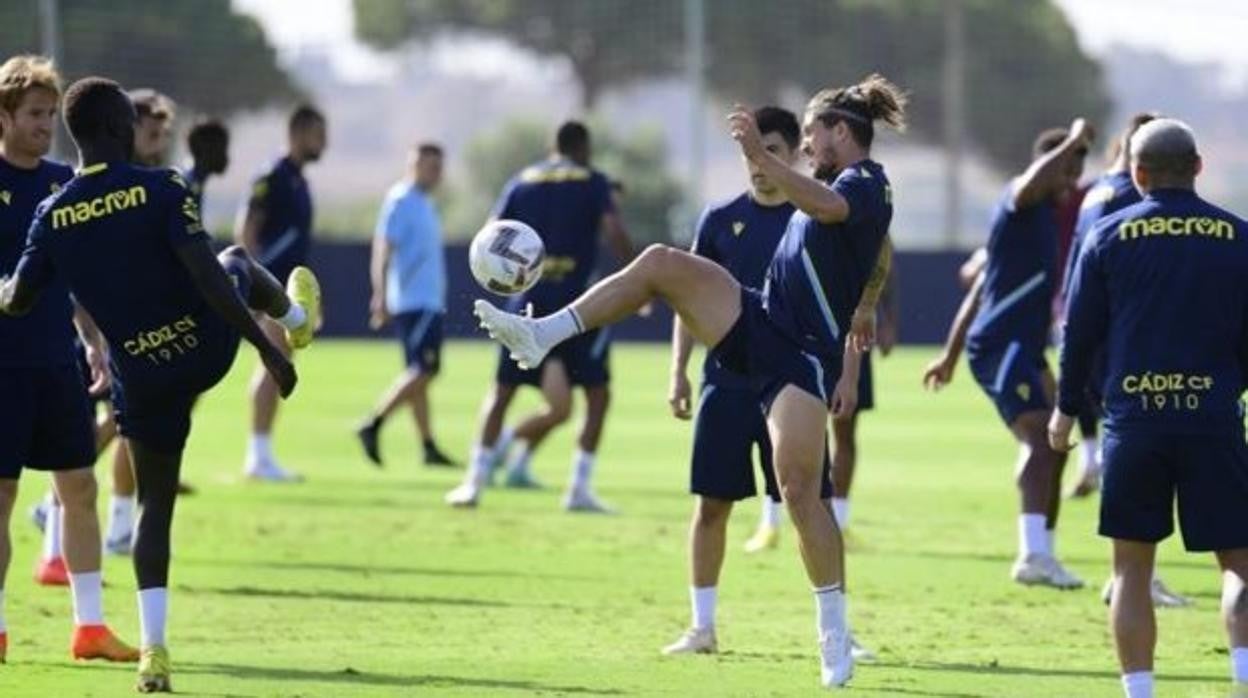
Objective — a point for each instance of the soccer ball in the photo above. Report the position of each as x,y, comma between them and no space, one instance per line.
506,257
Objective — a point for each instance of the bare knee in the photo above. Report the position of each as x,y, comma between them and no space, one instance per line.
558,410
799,489
659,261
77,489
8,495
712,513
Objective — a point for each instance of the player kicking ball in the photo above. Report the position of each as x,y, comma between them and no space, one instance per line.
128,242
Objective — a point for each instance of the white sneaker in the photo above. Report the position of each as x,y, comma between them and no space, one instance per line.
264,470
861,654
694,641
512,331
122,545
1162,596
836,659
1044,570
582,500
465,496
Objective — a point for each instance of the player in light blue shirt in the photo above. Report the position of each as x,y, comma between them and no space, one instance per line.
408,275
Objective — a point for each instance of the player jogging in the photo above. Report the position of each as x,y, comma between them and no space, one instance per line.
1008,336
790,336
1160,286
128,242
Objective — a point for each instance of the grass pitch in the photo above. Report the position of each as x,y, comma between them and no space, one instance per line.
361,582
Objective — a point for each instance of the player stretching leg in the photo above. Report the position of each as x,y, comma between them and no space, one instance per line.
1007,339
792,343
173,320
1159,286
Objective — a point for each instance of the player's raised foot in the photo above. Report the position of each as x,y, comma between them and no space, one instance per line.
154,671
521,480
764,538
98,642
52,572
1088,484
1044,570
263,470
39,514
303,289
694,641
435,458
369,435
861,654
512,331
582,501
122,545
836,659
465,496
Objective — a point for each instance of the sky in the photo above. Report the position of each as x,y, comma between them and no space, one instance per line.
1191,30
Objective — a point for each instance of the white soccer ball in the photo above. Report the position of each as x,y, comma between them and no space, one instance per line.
506,257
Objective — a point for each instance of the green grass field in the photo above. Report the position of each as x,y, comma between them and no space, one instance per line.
362,583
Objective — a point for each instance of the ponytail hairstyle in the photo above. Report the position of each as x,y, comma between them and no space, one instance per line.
860,106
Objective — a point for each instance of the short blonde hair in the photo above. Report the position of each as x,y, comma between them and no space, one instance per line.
21,74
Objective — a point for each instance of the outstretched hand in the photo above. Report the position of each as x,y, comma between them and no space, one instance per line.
744,130
862,330
939,373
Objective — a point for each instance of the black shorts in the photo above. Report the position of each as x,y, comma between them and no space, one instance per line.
420,332
586,358
46,420
728,427
866,386
755,347
1145,471
1013,378
154,407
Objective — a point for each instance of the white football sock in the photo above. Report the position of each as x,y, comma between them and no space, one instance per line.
1138,684
52,532
772,513
840,509
556,328
294,318
582,471
153,610
1033,537
120,516
520,462
479,467
260,446
830,610
505,438
1239,664
703,599
88,609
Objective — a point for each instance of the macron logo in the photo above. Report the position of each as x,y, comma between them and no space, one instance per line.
99,207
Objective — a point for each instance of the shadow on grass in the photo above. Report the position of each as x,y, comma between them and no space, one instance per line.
1189,564
333,595
352,676
1008,670
314,566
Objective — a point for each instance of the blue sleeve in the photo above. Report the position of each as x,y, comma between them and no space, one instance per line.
181,222
1087,315
861,195
704,237
390,220
505,207
35,269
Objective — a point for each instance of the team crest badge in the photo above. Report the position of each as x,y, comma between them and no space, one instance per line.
737,228
1024,391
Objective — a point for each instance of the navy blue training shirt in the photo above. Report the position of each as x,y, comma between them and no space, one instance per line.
45,336
195,181
110,234
564,202
282,194
1161,286
819,270
1018,282
1110,193
741,236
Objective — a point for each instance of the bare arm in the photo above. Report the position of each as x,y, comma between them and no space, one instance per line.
862,325
17,296
218,291
380,262
247,229
807,193
617,237
96,350
940,372
1047,172
680,394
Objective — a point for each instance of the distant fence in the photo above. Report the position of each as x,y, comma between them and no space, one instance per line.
927,286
